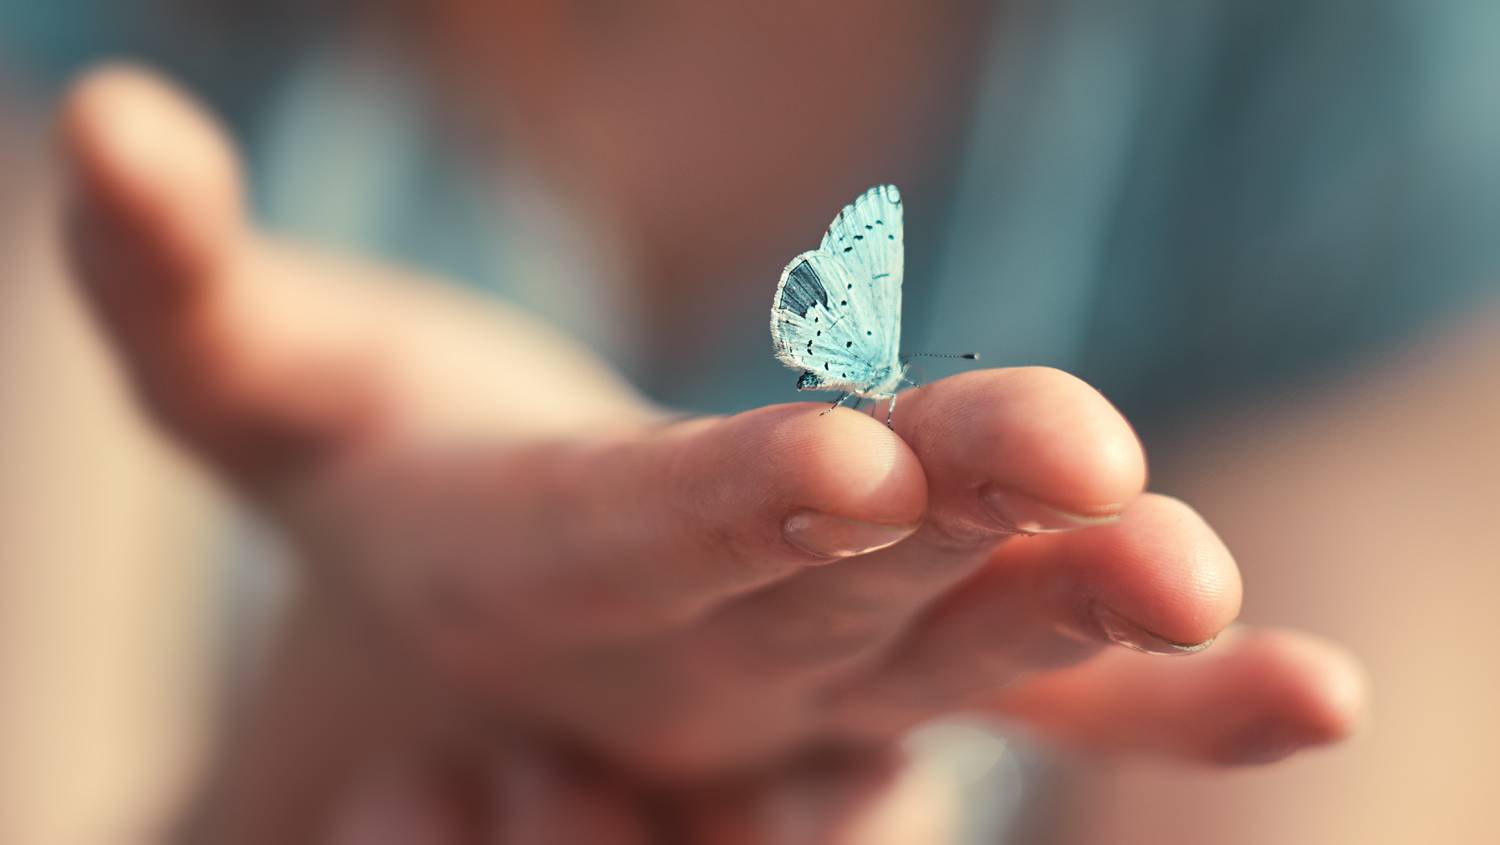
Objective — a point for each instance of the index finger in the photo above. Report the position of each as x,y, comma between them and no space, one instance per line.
617,534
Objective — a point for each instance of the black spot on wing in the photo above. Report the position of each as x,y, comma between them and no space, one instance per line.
803,289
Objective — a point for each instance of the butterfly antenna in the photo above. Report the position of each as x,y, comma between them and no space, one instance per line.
967,356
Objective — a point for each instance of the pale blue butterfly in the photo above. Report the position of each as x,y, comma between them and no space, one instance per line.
837,311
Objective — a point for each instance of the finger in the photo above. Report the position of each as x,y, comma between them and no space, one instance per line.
1259,696
1159,580
1004,451
622,534
241,369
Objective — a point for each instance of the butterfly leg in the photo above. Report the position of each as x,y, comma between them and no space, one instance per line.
890,413
836,403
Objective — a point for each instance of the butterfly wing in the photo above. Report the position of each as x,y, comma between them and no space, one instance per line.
869,237
815,329
837,310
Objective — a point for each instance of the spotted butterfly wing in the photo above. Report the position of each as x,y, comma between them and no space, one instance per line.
837,311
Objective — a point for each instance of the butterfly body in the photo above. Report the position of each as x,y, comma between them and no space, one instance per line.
836,315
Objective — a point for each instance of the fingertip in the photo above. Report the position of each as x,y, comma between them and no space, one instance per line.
1346,697
1159,580
858,467
842,463
1322,687
147,162
1199,577
1271,694
1036,431
1095,459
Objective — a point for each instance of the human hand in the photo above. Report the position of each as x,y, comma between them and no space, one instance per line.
501,540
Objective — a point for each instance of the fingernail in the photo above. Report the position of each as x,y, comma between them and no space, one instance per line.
1122,631
825,535
1022,514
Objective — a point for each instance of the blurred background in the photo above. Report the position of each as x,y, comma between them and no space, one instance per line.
1269,232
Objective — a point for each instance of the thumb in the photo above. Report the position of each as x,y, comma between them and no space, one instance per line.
156,182
222,349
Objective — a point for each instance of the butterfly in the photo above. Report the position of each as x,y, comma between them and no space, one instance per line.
836,315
